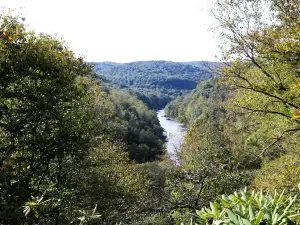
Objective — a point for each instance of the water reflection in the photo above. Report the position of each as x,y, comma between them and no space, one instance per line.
174,131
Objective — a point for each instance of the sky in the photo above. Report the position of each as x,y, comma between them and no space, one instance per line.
126,30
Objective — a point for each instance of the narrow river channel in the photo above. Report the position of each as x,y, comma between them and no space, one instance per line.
174,131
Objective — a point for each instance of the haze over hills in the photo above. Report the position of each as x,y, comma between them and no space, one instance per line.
160,81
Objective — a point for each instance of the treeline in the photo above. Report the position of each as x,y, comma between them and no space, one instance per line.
202,101
161,80
137,126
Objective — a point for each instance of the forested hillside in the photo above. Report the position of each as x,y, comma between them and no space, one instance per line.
74,150
160,80
244,125
137,126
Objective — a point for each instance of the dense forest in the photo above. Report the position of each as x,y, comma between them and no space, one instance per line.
156,82
76,150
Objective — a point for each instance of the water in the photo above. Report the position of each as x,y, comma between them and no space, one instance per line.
174,131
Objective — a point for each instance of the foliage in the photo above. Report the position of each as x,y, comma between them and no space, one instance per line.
252,116
69,146
58,152
202,101
212,155
206,170
154,99
282,173
261,41
136,125
44,114
161,80
111,181
245,208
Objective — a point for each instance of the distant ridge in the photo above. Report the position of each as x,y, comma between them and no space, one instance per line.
156,74
156,77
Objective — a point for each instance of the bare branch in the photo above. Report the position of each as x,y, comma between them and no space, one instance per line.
274,142
268,94
265,111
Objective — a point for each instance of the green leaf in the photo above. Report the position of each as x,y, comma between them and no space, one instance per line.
251,214
233,217
259,217
213,209
246,222
225,203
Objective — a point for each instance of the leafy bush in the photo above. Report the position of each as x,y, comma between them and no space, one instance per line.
251,209
282,173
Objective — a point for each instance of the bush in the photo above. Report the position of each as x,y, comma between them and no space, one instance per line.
282,173
251,209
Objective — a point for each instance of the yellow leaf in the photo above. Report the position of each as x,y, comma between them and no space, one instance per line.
297,85
297,114
6,36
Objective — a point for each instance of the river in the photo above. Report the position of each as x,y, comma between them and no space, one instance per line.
174,131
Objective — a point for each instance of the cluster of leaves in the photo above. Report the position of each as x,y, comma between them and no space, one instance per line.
279,174
250,209
154,99
264,50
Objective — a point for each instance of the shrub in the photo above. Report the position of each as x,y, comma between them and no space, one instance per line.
250,209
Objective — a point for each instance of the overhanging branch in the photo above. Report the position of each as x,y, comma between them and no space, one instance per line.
274,142
265,111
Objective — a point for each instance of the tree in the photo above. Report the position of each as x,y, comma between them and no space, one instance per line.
108,179
47,118
207,168
279,174
261,45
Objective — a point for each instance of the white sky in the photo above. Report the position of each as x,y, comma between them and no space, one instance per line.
126,30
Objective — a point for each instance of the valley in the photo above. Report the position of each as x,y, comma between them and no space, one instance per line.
156,82
153,142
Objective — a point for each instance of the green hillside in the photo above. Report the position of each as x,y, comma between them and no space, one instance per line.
162,79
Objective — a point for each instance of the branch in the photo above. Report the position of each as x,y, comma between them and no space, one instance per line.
249,46
250,87
13,21
268,94
274,142
265,111
201,182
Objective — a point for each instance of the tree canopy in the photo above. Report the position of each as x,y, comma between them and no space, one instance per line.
78,148
156,81
59,154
